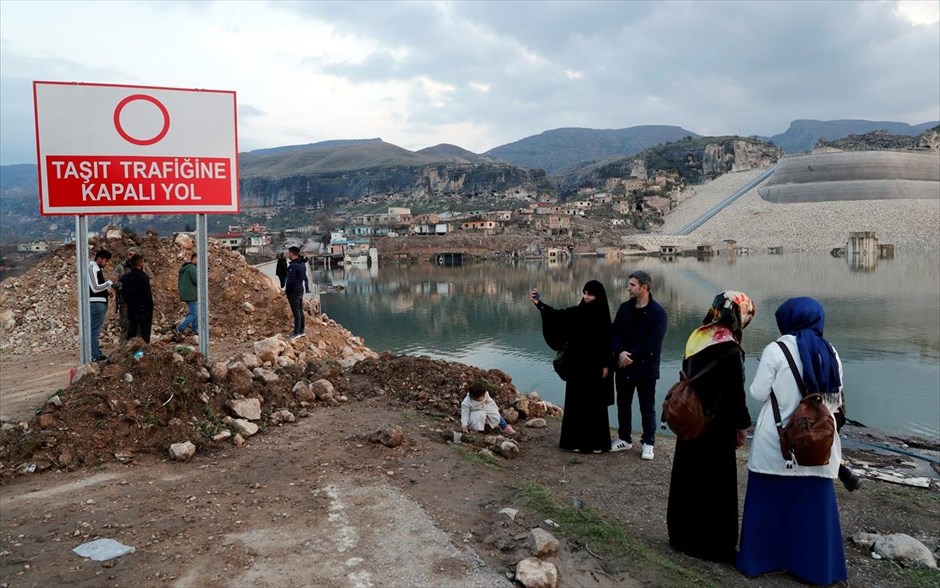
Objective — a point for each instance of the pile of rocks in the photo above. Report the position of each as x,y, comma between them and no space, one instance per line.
536,571
148,398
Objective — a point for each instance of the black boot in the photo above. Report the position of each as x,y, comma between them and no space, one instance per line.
849,480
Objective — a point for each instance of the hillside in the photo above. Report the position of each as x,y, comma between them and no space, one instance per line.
454,154
329,159
694,160
558,150
804,133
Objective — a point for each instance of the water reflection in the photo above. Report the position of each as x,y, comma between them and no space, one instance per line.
885,322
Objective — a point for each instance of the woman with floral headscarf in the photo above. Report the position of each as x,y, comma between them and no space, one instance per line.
583,331
702,515
791,520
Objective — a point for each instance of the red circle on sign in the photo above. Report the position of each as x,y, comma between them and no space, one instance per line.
146,98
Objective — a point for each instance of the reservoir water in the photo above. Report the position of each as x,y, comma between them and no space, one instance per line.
883,319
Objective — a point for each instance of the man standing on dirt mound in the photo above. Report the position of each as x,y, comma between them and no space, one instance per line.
98,299
294,287
638,332
119,271
189,294
138,296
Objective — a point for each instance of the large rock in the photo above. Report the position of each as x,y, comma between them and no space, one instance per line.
251,360
239,379
511,415
184,241
537,410
323,389
114,235
246,408
389,436
904,549
182,451
244,428
7,319
265,375
541,543
535,573
268,349
522,407
219,371
536,423
508,449
303,392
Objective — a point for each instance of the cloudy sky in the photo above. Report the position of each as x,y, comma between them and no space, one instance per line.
481,74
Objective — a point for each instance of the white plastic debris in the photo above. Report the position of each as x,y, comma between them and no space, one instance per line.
103,549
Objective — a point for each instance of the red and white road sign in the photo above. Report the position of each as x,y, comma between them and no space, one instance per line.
111,149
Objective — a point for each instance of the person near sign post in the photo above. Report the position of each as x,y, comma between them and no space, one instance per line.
98,292
189,294
120,270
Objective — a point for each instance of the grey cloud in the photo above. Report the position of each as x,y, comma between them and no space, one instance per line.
747,67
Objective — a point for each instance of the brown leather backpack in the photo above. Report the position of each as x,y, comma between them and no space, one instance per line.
682,408
807,438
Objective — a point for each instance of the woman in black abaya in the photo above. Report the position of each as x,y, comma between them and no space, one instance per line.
584,333
702,514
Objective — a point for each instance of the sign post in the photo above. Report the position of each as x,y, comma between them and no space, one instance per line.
202,283
105,149
84,308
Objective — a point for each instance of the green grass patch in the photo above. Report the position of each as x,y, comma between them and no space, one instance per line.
604,537
920,577
474,457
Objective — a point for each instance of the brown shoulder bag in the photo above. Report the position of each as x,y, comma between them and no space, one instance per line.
807,438
682,408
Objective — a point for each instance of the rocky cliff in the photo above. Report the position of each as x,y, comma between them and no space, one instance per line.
927,142
443,180
693,160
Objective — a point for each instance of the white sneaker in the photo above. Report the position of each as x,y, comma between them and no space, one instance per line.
647,452
619,444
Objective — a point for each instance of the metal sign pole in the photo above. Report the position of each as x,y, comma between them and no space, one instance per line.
202,282
84,308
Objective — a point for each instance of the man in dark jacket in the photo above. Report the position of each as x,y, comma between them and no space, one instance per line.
638,332
135,287
295,286
119,271
189,294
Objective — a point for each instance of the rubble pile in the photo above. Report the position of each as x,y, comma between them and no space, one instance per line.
38,310
163,397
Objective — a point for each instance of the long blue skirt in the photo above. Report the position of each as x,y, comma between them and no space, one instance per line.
791,523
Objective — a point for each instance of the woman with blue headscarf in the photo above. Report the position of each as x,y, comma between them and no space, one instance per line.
791,520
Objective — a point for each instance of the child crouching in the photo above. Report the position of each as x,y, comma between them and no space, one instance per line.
478,411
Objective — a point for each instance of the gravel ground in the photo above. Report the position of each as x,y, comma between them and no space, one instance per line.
910,225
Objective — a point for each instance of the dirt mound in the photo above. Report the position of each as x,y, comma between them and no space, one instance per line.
38,310
147,397
433,386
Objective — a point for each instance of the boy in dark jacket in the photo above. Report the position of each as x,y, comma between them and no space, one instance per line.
295,286
135,287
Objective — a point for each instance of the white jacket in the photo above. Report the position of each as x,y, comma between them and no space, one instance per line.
774,372
475,414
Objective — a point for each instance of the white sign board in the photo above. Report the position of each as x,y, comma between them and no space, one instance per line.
111,149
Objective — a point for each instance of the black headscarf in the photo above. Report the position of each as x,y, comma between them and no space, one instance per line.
599,306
